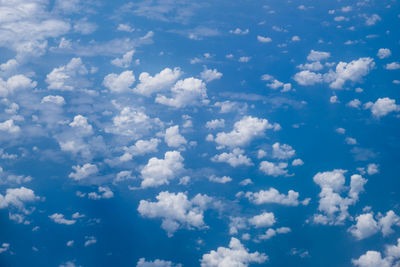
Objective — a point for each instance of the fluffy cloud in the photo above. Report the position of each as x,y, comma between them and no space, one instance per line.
273,232
160,171
273,196
214,124
374,258
60,219
282,151
149,85
209,75
317,55
272,169
17,197
265,219
173,138
82,172
333,206
176,211
384,53
14,84
119,83
67,77
307,77
141,147
382,106
235,158
9,126
263,39
235,255
125,61
220,180
55,99
80,123
244,131
392,66
187,92
104,192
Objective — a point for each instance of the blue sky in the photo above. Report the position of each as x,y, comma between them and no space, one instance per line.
209,133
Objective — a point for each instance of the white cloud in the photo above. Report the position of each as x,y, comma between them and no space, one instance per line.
187,92
90,240
384,53
239,31
125,28
220,180
365,226
9,126
314,66
355,103
382,106
149,85
80,123
244,59
4,247
55,99
244,131
235,255
263,39
272,232
265,219
104,192
235,158
176,211
374,258
173,138
160,171
352,71
209,75
67,77
17,197
119,83
282,151
125,61
214,124
307,77
317,55
350,141
273,196
372,20
141,147
14,84
372,169
297,162
272,169
156,263
82,172
392,66
60,219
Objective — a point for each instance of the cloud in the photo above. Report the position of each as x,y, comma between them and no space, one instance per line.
318,55
392,66
119,83
235,158
176,211
282,151
307,77
173,138
59,218
273,196
149,85
265,219
156,263
104,192
17,197
244,131
263,39
272,169
187,92
68,77
384,53
382,107
374,258
235,255
16,84
125,61
82,172
220,180
160,171
209,75
214,124
10,127
141,147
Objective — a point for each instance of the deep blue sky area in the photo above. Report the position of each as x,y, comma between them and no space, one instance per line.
170,133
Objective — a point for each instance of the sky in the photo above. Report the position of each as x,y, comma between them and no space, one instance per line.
166,133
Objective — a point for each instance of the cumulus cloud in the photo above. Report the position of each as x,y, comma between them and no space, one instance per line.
15,84
307,77
318,55
149,85
176,210
141,147
214,124
382,107
104,192
60,219
156,263
119,83
273,196
244,131
10,127
392,66
263,39
374,258
333,206
282,151
234,158
209,75
83,172
352,71
187,92
274,169
17,197
384,53
220,180
160,171
173,138
125,61
235,255
68,77
265,219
